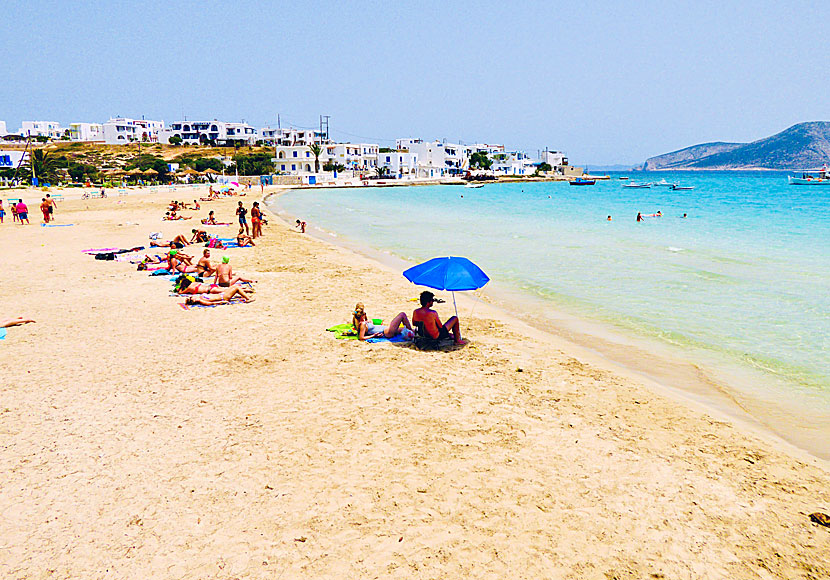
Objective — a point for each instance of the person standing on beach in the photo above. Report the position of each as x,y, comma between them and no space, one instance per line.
2,211
243,222
22,212
14,210
256,220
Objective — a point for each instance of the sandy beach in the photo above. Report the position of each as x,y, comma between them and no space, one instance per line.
244,441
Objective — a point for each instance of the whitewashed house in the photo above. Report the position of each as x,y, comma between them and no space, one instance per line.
513,163
89,132
436,158
48,129
399,164
3,131
122,130
290,137
299,158
222,132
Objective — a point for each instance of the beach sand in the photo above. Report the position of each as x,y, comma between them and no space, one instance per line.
141,440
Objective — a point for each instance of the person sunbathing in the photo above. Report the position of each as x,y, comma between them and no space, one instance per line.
203,266
366,329
224,274
199,236
178,242
209,220
9,322
184,285
243,239
180,263
432,324
224,298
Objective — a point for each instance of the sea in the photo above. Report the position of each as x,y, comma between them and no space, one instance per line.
725,297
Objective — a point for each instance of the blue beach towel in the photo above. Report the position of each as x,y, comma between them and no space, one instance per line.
56,225
2,333
398,338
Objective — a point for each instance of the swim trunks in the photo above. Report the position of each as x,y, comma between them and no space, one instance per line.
23,215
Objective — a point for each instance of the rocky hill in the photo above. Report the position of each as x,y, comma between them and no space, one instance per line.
802,146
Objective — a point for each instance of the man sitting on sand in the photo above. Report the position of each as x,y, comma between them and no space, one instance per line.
432,324
203,266
224,274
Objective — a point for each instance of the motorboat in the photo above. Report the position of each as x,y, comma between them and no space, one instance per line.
662,183
677,187
821,177
473,185
581,181
623,177
637,185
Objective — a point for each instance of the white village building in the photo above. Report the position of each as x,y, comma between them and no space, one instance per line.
220,132
513,163
291,136
3,131
436,158
89,132
295,159
48,129
122,130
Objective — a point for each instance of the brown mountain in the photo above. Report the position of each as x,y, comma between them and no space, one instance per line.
802,146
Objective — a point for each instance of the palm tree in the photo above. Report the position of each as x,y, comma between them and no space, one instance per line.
381,170
316,150
42,165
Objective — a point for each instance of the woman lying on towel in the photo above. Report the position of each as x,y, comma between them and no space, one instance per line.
366,329
225,297
14,322
186,285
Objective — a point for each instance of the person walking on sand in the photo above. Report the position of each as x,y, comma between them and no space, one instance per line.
432,324
243,222
13,206
52,204
44,208
2,211
22,212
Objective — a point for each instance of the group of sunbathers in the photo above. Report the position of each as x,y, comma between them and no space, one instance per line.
225,286
423,317
213,195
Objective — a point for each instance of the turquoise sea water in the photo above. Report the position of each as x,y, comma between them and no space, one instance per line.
744,278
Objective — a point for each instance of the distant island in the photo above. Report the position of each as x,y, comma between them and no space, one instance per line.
801,147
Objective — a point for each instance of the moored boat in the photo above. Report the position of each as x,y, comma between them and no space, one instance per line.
662,183
637,185
580,181
677,187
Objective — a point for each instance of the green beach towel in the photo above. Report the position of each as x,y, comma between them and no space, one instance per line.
343,332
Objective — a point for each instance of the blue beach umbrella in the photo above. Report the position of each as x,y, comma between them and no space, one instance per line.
451,273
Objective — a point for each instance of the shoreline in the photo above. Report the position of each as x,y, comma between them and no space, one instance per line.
704,386
144,440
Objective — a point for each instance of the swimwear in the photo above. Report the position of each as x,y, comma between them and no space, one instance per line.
373,328
23,215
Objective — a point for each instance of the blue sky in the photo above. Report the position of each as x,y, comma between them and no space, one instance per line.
606,82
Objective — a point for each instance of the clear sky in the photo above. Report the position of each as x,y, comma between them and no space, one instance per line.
606,82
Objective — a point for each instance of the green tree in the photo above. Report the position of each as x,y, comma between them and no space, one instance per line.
316,149
544,167
332,166
381,170
44,165
175,140
480,160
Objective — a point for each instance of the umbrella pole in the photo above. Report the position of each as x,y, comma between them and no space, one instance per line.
454,305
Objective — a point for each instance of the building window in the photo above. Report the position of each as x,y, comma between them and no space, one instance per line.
295,153
282,167
293,167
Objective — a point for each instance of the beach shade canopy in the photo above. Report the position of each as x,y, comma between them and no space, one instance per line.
135,171
210,171
151,172
451,273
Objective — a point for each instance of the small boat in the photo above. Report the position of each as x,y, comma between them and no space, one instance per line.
662,183
821,177
623,177
637,185
473,185
676,187
580,181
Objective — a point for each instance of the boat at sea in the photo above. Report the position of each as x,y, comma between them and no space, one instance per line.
677,187
581,181
472,185
662,183
637,185
622,177
820,177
